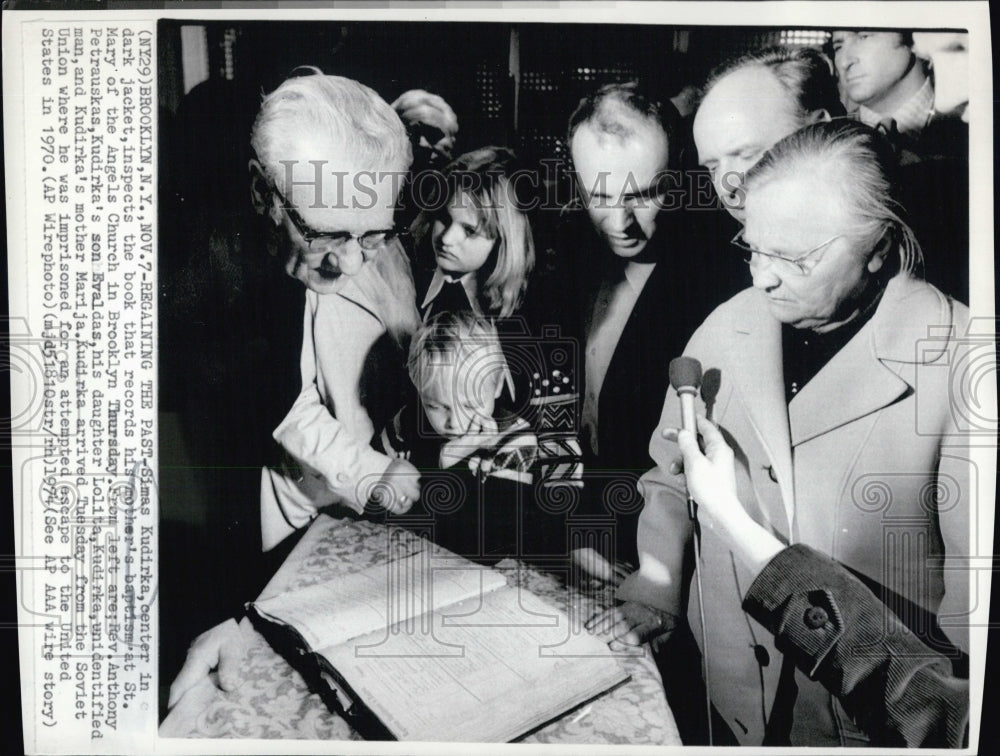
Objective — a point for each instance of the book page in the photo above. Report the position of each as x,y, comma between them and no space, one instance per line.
400,591
488,675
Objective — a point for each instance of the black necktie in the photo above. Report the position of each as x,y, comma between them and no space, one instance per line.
451,298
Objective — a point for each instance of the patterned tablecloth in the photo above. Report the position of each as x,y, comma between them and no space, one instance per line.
275,702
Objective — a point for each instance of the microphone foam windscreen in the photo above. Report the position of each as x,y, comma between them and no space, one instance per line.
711,382
685,371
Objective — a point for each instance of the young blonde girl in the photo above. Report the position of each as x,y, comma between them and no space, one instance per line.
475,238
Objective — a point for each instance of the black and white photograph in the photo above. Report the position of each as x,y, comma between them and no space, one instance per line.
787,209
574,380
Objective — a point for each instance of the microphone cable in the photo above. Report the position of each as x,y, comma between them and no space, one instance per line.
711,382
701,619
687,380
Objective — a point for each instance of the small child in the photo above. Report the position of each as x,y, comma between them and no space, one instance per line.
478,462
480,237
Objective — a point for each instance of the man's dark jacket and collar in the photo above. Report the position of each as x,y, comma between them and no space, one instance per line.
694,272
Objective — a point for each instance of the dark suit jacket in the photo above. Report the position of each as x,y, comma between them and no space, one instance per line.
933,188
694,273
934,183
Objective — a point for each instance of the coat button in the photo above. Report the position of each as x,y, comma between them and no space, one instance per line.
816,617
341,477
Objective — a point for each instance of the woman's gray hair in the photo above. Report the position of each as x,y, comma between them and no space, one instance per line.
862,164
346,111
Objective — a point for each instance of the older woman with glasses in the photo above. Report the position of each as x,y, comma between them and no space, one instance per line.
837,398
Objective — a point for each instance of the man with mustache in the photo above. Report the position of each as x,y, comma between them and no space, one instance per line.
330,157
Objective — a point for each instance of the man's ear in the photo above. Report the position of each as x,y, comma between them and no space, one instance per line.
819,116
260,192
881,251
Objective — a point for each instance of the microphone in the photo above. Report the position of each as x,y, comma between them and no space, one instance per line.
685,377
711,382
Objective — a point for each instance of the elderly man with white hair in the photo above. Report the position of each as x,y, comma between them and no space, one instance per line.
329,159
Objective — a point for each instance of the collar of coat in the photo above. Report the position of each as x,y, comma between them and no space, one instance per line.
468,283
912,326
384,288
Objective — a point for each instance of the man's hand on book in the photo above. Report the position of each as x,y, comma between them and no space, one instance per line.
399,487
631,624
222,647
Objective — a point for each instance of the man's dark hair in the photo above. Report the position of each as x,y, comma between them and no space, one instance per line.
805,73
604,109
905,39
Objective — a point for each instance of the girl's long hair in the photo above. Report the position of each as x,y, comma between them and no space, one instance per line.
487,178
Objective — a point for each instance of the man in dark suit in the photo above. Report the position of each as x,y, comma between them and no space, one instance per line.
630,283
880,72
629,276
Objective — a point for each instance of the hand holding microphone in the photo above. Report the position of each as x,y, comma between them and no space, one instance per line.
710,475
711,480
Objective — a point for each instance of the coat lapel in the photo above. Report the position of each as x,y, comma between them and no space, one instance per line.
360,294
853,384
760,382
635,334
862,377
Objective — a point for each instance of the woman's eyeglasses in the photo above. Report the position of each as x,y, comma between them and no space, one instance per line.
801,265
324,242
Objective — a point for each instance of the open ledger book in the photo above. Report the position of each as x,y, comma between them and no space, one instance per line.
440,649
